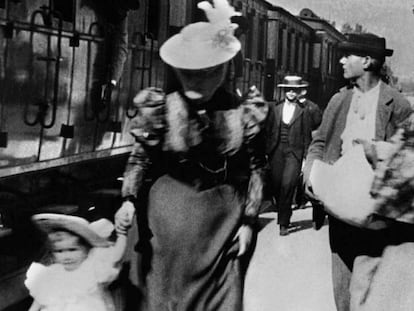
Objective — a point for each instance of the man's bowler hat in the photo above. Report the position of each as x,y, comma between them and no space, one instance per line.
365,44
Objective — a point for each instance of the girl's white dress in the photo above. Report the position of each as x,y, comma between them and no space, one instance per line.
84,289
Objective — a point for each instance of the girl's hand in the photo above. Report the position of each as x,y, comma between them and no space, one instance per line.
244,236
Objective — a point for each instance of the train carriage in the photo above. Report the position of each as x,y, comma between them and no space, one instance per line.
325,70
289,49
254,42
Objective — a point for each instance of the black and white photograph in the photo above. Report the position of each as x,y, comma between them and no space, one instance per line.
206,155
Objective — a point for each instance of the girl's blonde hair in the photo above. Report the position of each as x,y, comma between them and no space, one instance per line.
61,234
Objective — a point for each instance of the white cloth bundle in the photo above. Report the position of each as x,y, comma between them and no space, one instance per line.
344,188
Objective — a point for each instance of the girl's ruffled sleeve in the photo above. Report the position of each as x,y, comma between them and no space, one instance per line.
36,281
148,129
106,270
255,114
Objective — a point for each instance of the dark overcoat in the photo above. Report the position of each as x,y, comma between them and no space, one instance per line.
306,118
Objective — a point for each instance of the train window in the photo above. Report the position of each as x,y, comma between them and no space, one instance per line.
250,35
2,4
316,55
293,50
154,17
329,58
297,54
288,49
293,60
306,57
335,59
262,39
65,8
280,45
300,53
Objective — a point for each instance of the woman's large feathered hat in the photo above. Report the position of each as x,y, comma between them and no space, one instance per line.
204,44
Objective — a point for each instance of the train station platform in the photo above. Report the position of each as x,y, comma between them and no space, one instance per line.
293,272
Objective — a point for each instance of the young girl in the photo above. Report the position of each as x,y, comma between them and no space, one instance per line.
84,264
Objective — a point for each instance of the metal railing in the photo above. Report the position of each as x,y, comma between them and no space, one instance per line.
45,104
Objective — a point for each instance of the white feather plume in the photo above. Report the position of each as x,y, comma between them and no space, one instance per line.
220,13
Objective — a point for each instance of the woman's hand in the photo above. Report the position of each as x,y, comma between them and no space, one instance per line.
124,217
244,235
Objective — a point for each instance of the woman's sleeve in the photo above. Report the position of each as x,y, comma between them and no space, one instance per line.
137,164
147,127
256,110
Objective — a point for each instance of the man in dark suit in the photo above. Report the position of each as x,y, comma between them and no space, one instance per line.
290,127
367,111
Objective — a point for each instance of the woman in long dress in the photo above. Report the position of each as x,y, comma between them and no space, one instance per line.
207,146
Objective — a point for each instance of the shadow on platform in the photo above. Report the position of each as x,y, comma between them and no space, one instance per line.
301,225
263,222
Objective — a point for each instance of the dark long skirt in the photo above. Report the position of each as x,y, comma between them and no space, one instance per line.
194,264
